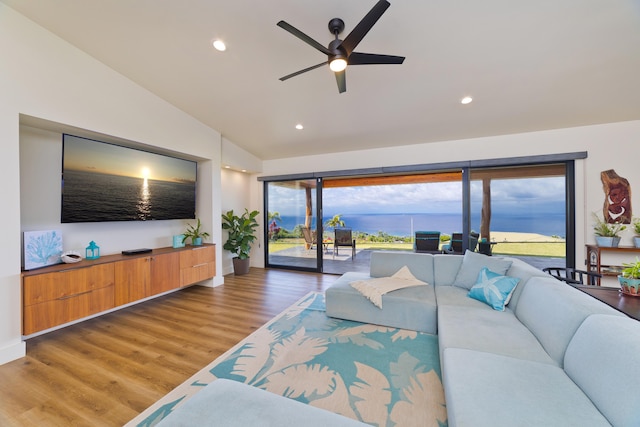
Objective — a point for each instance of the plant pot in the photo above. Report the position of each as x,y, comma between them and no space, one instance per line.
636,241
629,286
240,266
196,241
607,242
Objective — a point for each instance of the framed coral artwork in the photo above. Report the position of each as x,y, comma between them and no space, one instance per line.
42,248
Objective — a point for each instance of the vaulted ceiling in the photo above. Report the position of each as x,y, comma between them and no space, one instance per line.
528,65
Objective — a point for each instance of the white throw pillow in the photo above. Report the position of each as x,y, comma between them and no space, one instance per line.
473,262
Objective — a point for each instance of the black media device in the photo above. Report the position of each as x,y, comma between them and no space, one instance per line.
136,251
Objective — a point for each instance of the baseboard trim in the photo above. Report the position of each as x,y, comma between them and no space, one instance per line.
13,352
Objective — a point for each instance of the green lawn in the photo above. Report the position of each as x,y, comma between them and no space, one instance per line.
547,249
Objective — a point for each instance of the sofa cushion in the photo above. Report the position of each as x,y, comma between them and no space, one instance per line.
524,272
385,264
472,263
493,289
553,311
228,403
445,268
610,378
483,329
410,308
483,389
374,288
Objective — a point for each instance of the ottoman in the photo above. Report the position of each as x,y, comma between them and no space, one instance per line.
412,308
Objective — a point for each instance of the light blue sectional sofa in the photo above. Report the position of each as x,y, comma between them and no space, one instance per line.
228,403
554,357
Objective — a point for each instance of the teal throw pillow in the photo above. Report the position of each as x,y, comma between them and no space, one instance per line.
493,289
473,262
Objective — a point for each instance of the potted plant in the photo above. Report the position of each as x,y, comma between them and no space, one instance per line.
607,235
630,278
241,235
195,234
636,229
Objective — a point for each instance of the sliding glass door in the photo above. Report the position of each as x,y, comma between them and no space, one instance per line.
292,226
522,211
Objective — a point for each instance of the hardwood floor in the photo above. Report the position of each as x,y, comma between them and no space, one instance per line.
105,371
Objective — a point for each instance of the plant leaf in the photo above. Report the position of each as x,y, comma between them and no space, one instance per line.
419,409
302,381
374,394
252,358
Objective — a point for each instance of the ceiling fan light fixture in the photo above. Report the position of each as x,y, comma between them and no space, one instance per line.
338,64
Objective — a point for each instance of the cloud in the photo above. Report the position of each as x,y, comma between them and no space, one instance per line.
517,195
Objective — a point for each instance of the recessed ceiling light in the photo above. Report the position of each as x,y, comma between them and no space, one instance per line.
299,126
227,167
219,45
244,170
466,100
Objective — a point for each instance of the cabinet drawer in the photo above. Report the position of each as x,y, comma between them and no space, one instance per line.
53,286
38,317
197,273
197,256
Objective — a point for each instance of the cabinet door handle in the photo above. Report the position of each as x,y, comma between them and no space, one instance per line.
200,265
73,296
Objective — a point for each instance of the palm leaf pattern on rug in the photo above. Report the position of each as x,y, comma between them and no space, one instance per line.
382,376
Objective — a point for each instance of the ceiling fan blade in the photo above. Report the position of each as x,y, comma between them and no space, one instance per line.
341,79
302,36
313,67
363,27
358,58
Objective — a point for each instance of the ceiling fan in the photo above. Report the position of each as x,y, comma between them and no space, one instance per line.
340,52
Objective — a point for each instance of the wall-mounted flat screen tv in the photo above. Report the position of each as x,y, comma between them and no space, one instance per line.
107,182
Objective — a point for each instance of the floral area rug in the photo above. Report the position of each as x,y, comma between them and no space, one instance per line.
379,375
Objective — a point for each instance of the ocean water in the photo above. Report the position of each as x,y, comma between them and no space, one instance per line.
406,224
92,197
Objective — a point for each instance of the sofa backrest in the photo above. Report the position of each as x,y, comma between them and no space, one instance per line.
524,272
553,311
385,264
446,268
601,360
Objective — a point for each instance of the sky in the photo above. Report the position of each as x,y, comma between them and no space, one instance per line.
531,195
93,156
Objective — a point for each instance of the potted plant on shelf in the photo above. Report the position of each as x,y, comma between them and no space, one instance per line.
241,235
195,234
636,229
630,278
607,235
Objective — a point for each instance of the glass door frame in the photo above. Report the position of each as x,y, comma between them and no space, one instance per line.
317,212
568,159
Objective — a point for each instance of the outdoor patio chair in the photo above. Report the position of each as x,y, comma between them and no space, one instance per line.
455,245
310,237
427,242
574,276
343,237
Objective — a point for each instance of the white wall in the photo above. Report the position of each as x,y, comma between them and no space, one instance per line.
44,77
609,146
237,196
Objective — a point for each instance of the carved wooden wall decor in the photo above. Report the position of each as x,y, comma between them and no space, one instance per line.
617,204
